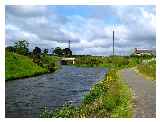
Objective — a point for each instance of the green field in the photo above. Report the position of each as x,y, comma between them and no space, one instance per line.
18,66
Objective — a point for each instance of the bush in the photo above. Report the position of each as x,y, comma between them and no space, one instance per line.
88,61
133,62
120,61
36,55
66,111
94,61
51,67
148,69
10,49
21,47
95,92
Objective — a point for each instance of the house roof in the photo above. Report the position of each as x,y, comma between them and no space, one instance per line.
138,51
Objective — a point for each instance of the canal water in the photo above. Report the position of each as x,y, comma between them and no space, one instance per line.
27,97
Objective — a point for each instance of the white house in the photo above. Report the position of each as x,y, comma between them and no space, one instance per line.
144,52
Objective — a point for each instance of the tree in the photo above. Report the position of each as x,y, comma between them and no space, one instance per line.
10,49
45,51
36,54
36,51
67,52
58,51
21,47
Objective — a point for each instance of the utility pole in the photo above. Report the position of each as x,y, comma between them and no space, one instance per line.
69,43
113,42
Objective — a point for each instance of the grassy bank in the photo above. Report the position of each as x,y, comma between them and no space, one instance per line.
18,66
148,69
108,98
118,62
49,60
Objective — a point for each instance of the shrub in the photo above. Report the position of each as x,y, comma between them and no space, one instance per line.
95,92
10,49
51,67
148,69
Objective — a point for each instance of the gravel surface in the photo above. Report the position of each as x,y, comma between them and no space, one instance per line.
144,94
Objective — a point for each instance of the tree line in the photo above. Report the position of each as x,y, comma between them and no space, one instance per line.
37,54
21,47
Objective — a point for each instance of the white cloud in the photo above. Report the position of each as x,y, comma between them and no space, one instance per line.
135,27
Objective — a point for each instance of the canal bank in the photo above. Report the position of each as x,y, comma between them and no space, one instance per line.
19,66
110,97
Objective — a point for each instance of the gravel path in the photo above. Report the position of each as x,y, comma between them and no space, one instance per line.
144,93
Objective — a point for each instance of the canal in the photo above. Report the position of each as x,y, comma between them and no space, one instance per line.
27,97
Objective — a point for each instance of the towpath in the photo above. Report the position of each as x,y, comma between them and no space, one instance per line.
144,93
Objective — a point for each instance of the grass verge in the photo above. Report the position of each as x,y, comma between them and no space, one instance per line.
148,70
18,66
109,98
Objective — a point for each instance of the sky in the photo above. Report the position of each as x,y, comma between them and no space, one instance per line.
89,28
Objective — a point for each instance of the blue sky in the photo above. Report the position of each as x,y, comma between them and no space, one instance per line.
88,27
87,11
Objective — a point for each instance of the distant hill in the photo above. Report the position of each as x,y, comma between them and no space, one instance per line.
18,66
